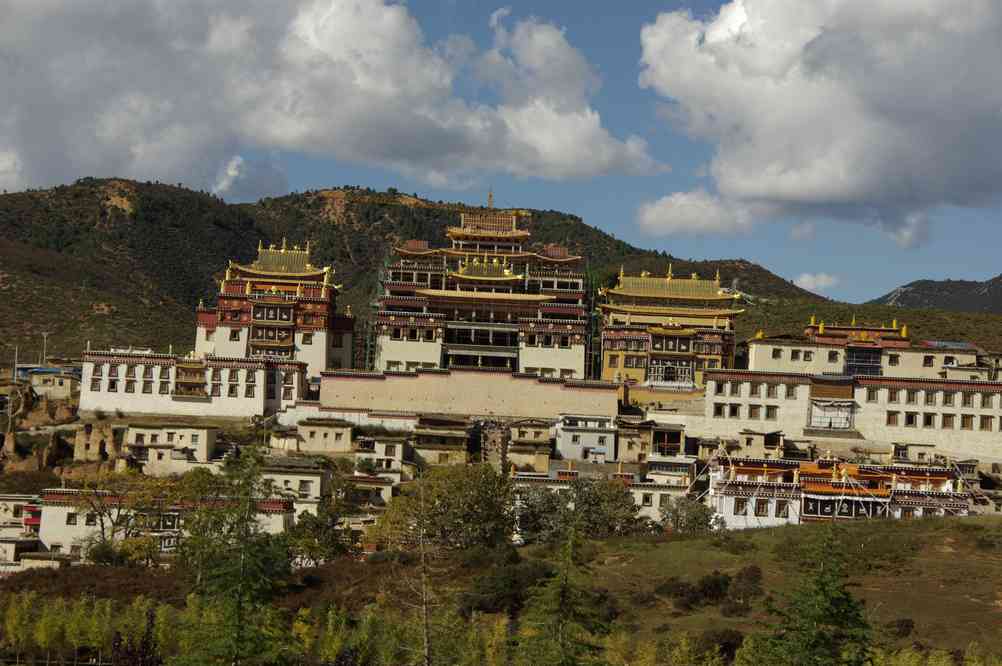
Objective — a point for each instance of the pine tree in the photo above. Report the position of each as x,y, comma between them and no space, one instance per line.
822,623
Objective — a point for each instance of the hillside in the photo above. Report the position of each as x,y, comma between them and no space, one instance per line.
118,262
960,295
932,583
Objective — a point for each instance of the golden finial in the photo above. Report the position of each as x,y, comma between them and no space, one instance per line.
669,271
758,334
299,289
695,275
853,319
904,330
718,277
814,320
260,245
283,244
247,287
347,310
821,328
621,272
201,303
894,324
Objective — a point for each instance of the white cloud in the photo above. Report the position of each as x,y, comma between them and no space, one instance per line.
696,212
816,281
174,90
876,113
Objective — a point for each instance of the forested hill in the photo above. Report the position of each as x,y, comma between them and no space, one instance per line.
960,295
118,262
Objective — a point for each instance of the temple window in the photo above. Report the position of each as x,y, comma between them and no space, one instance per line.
948,398
113,371
762,508
911,419
164,388
147,387
307,338
987,423
892,395
112,385
892,418
772,391
718,410
968,400
967,422
735,388
893,359
927,361
794,354
872,394
147,372
98,370
217,390
397,334
928,420
734,411
930,398
249,391
947,421
95,385
287,393
565,341
771,413
234,334
251,376
232,392
740,506
808,356
987,400
777,353
754,411
429,335
782,508
911,397
833,357
756,389
412,334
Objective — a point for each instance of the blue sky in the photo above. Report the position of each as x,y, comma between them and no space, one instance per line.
851,147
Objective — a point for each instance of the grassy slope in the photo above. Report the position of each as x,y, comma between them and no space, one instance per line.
932,571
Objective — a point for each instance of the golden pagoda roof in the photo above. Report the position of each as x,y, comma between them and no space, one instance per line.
669,286
665,311
282,260
483,295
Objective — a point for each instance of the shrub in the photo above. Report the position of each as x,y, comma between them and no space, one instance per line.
746,584
900,628
643,599
713,587
684,595
485,557
732,544
724,642
398,556
732,608
504,588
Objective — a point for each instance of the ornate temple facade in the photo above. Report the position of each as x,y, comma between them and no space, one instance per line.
486,301
279,307
662,332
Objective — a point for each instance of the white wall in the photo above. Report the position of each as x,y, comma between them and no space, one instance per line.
760,358
589,432
556,358
315,354
407,352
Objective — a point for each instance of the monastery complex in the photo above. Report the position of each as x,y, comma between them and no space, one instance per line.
500,350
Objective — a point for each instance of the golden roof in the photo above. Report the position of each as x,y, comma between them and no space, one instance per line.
666,311
282,260
668,286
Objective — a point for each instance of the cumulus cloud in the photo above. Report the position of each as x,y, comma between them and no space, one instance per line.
184,90
876,112
816,281
692,212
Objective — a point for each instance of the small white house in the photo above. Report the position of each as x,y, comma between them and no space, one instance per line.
578,436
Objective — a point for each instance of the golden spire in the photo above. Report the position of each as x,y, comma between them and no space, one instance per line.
283,244
894,324
718,277
853,319
814,320
904,330
669,271
260,245
759,334
229,275
821,328
299,289
621,271
247,287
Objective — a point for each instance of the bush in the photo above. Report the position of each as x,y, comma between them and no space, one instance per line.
713,587
731,608
684,595
900,628
746,584
732,544
485,557
398,556
643,599
504,588
724,642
